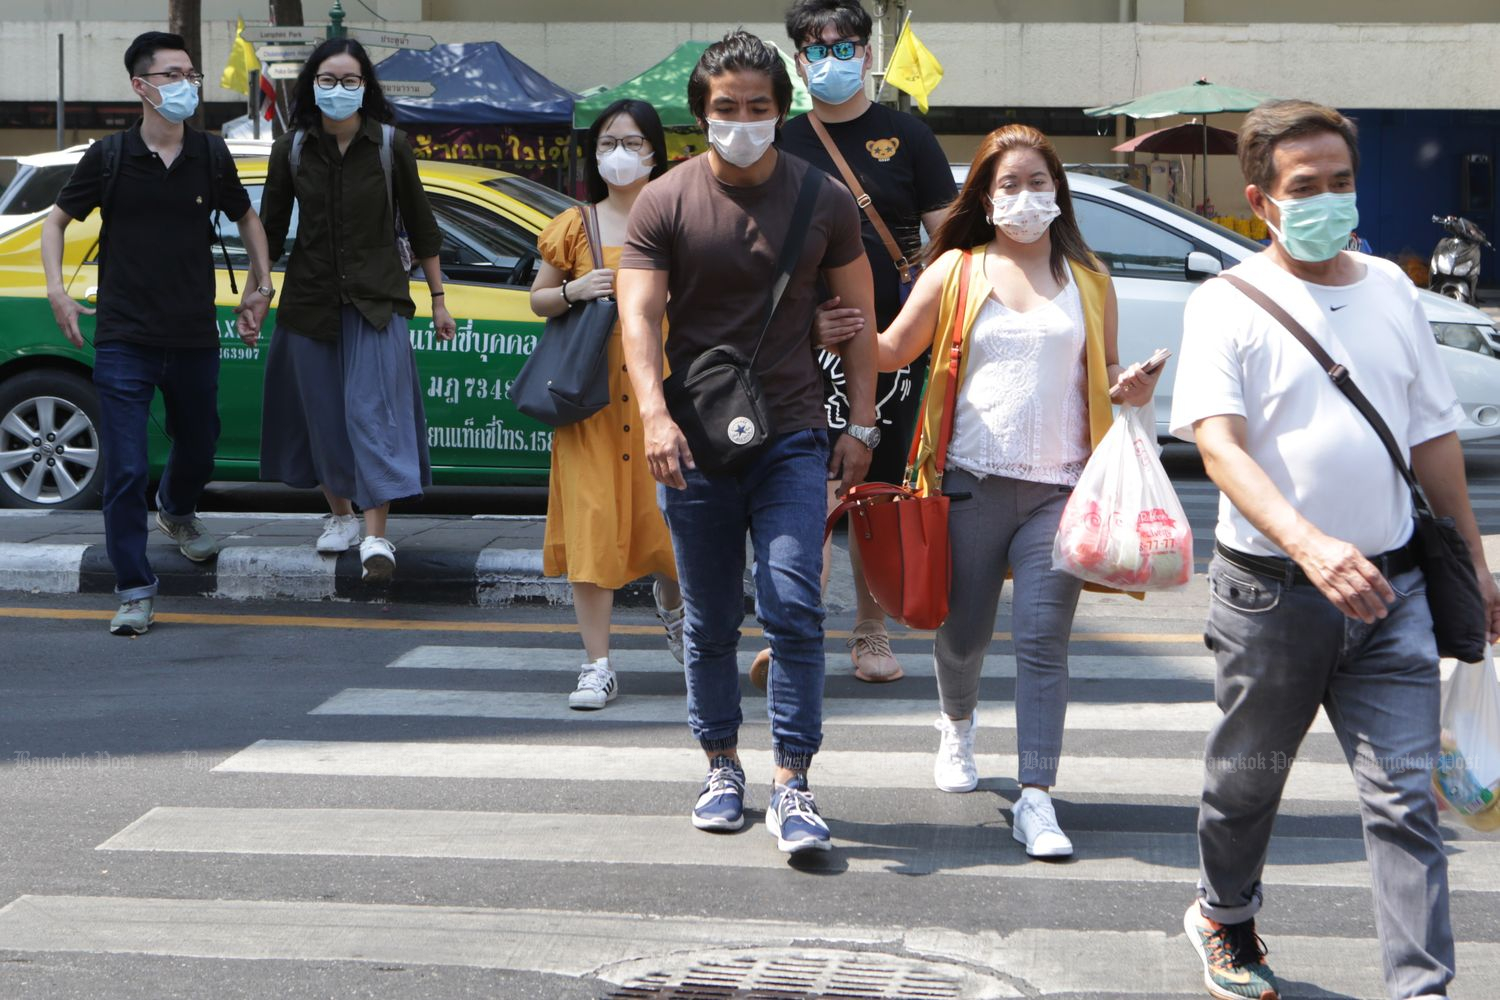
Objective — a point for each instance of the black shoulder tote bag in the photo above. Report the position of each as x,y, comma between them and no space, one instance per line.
566,379
1458,613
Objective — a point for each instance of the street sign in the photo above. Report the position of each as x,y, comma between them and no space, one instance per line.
283,53
407,88
301,33
281,70
391,39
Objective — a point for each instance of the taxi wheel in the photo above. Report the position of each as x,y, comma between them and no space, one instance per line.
49,442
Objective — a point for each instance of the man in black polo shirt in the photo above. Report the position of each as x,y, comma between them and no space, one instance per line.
897,161
157,186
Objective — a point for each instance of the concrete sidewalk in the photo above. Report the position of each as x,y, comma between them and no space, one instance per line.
484,559
481,559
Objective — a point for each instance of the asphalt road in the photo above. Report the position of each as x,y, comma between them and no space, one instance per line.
338,801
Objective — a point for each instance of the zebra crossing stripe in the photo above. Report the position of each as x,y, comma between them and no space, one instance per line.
1135,716
1145,776
916,664
907,849
612,947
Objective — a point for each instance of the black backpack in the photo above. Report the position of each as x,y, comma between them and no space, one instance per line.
220,166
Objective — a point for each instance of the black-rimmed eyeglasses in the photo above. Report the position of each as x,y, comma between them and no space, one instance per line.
608,143
327,81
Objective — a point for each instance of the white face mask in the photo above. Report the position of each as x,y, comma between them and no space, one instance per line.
622,168
1025,217
741,143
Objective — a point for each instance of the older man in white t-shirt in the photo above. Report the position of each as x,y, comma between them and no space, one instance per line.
1316,597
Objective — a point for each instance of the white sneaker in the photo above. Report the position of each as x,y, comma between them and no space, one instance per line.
954,769
1034,823
597,687
378,558
338,533
672,619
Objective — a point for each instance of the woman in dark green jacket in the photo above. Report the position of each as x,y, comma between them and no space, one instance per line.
343,410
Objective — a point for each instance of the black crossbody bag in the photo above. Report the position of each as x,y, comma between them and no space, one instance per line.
716,401
1458,612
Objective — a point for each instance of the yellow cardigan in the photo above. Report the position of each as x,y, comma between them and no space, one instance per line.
1093,292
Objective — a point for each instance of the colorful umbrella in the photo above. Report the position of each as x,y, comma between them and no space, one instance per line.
1201,98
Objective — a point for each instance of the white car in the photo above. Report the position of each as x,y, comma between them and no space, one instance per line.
40,178
1158,253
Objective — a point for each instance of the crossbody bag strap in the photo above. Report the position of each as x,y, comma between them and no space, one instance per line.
590,214
791,250
1340,377
950,401
903,266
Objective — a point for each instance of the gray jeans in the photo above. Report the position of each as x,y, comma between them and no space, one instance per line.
1282,651
1009,524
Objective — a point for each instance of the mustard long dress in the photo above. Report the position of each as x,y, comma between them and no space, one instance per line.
603,524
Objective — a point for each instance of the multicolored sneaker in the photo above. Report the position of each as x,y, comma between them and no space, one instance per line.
793,818
1233,955
721,804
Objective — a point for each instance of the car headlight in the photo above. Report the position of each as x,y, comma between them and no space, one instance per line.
1464,336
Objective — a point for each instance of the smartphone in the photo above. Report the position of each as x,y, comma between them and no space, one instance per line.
1150,366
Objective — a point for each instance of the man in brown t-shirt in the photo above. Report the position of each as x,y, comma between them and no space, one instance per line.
703,251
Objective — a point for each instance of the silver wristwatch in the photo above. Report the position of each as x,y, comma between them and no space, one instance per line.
269,291
867,436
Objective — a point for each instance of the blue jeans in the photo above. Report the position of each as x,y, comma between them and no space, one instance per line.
781,498
1282,651
127,376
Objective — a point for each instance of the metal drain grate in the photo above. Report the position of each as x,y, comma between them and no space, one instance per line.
804,975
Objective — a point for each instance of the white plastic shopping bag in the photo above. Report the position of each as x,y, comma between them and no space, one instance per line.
1124,526
1467,776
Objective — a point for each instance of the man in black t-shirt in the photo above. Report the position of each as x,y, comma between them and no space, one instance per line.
899,164
157,186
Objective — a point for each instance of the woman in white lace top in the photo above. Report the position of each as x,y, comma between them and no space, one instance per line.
1038,362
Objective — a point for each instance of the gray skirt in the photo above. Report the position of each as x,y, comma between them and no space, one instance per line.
346,415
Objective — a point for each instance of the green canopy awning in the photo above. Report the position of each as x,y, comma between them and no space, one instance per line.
1201,98
664,87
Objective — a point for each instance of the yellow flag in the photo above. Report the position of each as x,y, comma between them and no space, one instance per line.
242,62
913,68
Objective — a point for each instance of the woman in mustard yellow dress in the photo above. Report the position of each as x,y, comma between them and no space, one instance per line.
604,528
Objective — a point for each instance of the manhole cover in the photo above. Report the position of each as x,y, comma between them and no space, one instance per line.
809,975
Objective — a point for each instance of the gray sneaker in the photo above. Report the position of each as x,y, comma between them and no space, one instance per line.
133,618
190,535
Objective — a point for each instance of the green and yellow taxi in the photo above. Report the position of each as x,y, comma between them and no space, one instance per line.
49,440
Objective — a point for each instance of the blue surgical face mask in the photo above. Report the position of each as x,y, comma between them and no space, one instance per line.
338,103
834,81
1315,229
178,101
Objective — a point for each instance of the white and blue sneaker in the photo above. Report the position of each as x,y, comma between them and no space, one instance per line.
793,818
721,804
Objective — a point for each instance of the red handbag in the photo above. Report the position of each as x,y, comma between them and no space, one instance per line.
903,535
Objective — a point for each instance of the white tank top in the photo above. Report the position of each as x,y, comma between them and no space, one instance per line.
1022,411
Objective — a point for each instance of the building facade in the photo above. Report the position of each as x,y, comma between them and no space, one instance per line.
1418,78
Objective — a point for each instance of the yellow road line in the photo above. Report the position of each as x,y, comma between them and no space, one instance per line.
506,628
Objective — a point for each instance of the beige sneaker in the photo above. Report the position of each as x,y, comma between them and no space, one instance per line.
870,649
760,669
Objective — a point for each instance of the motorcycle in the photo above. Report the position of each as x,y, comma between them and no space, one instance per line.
1454,270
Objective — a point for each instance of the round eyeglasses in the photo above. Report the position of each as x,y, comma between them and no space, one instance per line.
608,143
843,50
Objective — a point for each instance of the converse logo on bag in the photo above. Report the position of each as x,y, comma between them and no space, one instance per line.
741,430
